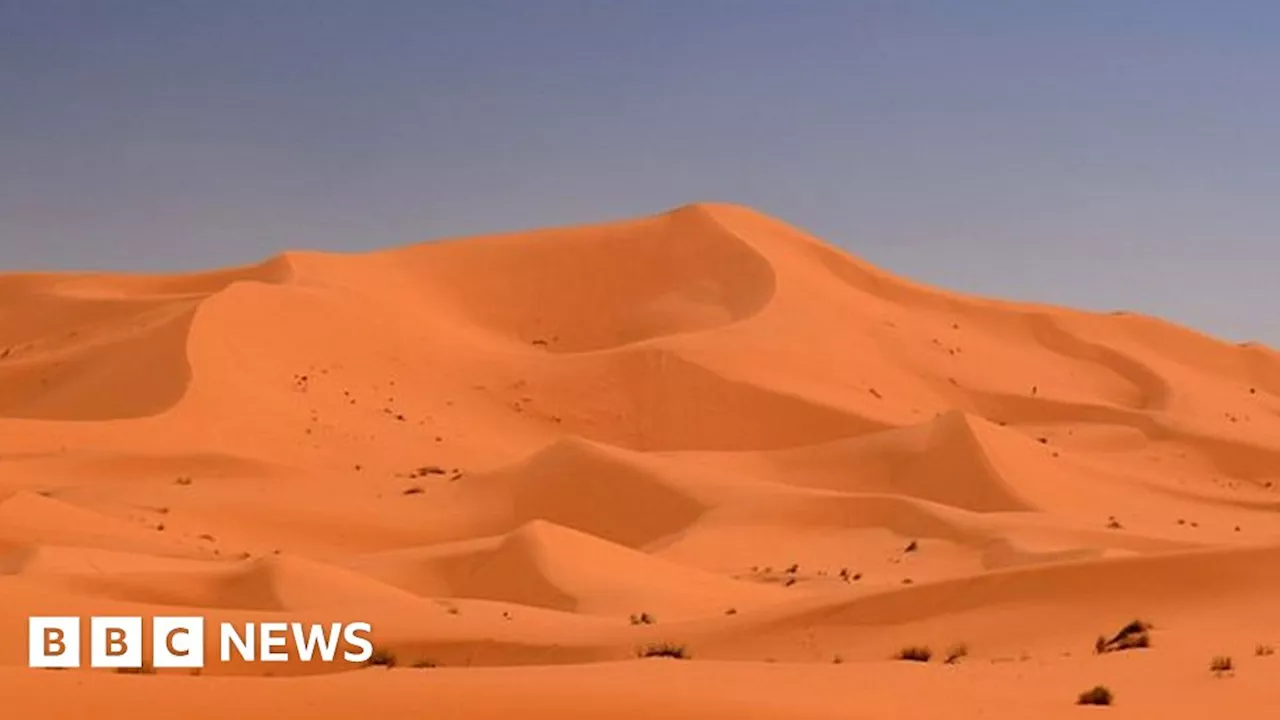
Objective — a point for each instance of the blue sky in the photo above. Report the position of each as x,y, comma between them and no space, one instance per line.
1101,154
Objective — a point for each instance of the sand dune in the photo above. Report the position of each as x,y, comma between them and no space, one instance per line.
542,564
526,458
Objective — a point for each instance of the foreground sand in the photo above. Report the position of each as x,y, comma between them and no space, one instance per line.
499,450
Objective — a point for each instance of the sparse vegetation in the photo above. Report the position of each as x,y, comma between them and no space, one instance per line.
956,653
381,658
1114,524
1264,650
144,670
912,546
184,480
915,653
731,611
1221,664
415,490
667,650
423,665
1137,634
1098,695
643,618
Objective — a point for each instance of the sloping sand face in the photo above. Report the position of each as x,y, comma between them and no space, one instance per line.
527,460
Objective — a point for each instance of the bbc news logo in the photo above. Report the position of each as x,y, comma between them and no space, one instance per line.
179,642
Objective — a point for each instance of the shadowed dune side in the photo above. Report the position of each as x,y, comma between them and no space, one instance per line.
294,583
104,347
131,375
654,399
1121,342
1150,354
952,460
1152,390
542,564
592,288
826,536
587,487
1245,457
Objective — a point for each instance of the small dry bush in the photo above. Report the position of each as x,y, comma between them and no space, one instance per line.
667,650
915,653
381,658
1137,634
1097,695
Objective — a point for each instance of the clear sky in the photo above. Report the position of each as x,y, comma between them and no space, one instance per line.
1105,154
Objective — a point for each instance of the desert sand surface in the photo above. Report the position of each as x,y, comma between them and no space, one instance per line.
529,459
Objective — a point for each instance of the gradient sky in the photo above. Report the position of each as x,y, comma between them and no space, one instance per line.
1107,154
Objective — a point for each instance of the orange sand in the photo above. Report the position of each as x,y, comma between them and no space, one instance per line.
706,416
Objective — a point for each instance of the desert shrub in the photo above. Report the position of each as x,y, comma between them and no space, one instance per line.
1222,664
1097,695
915,653
1137,634
381,658
667,650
